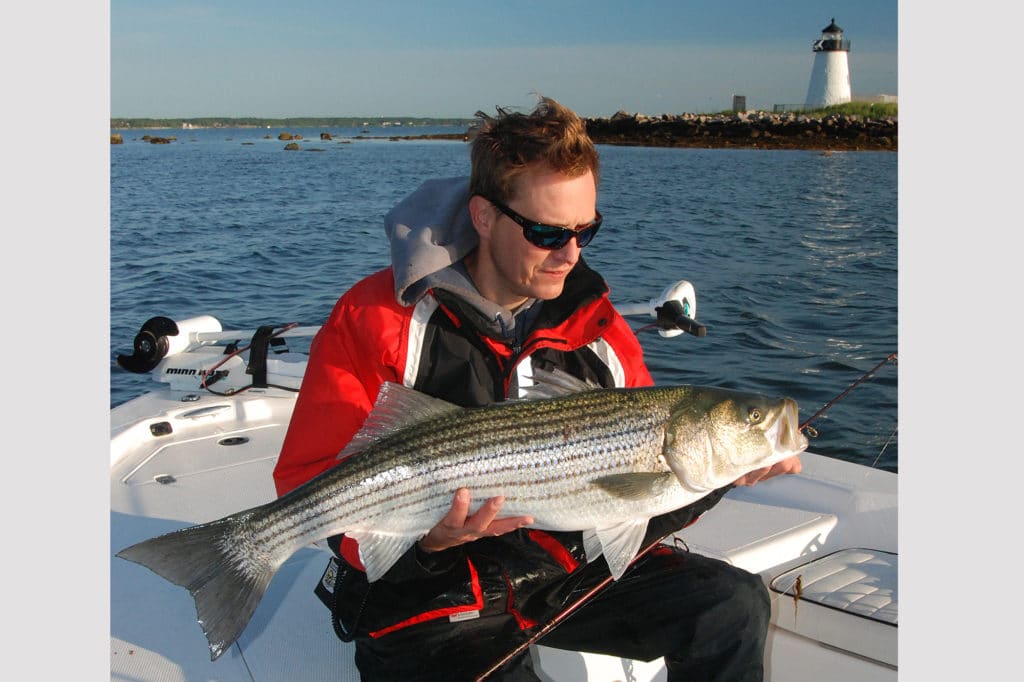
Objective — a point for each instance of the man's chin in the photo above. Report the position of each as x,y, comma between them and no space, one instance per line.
546,292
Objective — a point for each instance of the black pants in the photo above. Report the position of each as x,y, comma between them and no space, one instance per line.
707,618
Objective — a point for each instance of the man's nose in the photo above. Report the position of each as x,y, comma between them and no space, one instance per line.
570,253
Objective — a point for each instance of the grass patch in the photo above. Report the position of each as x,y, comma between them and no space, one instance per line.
863,109
866,109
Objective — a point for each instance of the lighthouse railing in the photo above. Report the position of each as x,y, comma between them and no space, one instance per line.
831,46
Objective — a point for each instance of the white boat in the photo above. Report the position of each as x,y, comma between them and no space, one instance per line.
824,541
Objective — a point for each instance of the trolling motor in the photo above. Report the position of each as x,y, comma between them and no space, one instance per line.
677,311
162,336
674,310
196,353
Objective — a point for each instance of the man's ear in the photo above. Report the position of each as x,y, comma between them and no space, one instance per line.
482,214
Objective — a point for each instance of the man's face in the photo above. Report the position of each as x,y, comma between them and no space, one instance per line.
509,268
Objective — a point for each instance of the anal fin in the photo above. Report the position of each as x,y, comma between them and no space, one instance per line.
379,551
619,544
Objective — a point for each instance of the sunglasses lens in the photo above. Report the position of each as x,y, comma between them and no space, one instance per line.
583,237
549,236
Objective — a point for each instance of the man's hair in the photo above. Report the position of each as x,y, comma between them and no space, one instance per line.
507,145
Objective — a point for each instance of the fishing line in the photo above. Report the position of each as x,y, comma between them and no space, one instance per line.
587,596
884,446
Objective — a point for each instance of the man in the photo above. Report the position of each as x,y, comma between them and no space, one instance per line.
487,283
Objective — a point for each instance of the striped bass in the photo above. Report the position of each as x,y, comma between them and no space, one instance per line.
601,461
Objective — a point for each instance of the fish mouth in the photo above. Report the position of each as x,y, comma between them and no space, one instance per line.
785,434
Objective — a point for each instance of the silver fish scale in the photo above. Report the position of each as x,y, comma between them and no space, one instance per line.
541,455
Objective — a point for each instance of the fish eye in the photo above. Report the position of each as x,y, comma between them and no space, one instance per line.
755,415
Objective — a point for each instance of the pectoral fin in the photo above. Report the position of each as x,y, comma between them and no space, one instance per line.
637,486
619,544
379,551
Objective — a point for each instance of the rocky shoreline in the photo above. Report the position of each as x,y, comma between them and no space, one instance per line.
755,129
744,130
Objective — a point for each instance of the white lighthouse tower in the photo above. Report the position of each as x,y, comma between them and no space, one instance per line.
830,77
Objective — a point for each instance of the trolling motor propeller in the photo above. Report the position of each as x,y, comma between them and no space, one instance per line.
150,345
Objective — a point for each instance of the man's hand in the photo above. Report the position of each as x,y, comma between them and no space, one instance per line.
786,466
458,528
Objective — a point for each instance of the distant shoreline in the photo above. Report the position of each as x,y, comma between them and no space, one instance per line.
294,122
744,130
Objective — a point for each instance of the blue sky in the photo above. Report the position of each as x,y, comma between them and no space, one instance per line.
414,58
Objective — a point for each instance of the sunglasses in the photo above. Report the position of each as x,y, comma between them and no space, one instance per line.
551,237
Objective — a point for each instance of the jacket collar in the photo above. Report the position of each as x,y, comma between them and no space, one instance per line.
582,286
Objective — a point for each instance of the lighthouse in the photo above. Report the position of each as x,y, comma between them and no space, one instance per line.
830,77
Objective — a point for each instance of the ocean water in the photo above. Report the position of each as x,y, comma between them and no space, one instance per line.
793,254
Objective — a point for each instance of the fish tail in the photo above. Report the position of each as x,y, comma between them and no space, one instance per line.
226,581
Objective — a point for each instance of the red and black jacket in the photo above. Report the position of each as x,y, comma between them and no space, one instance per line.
437,347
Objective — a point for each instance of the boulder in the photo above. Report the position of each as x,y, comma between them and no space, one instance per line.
115,138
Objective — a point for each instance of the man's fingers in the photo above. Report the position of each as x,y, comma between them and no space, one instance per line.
488,511
486,522
792,465
752,477
455,519
458,527
507,525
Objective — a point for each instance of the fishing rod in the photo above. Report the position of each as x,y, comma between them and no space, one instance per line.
589,594
892,357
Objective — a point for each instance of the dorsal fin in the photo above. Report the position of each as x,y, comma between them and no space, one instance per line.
555,383
396,408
